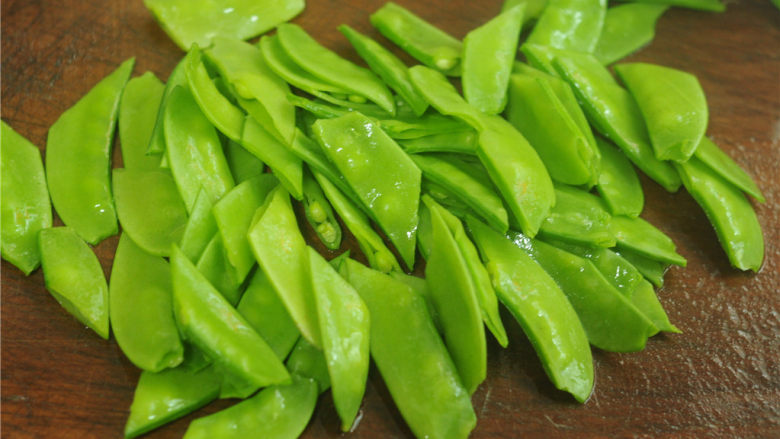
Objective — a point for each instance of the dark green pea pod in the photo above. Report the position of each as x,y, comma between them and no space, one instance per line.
307,361
194,150
243,164
570,25
426,125
718,161
541,308
627,28
361,152
420,39
533,8
207,320
141,309
411,356
443,96
319,213
488,53
281,252
618,184
177,78
651,269
729,212
454,296
138,110
614,113
78,159
642,237
286,166
149,208
462,141
468,183
703,5
611,321
25,204
73,275
200,229
578,216
391,69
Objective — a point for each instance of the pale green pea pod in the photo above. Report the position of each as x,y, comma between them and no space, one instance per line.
286,166
718,161
645,299
214,265
533,8
307,361
200,229
642,237
578,216
703,5
627,28
243,164
570,24
177,78
651,269
443,96
463,142
138,110
618,184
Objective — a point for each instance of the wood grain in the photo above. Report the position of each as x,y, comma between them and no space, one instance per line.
720,378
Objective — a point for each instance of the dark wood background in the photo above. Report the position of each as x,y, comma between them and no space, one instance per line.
720,378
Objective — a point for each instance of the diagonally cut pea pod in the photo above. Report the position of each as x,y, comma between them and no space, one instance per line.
78,159
618,184
138,110
286,166
578,216
533,8
461,141
426,125
651,269
642,237
718,161
627,28
214,265
243,164
645,299
305,360
177,78
443,96
570,24
200,229
319,213
703,5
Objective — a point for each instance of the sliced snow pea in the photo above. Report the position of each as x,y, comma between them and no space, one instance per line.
533,8
200,229
194,151
461,141
25,204
391,69
199,21
443,96
326,109
651,269
177,78
541,308
419,285
243,164
281,252
618,184
307,361
730,213
645,299
150,208
570,25
138,109
578,216
447,199
488,53
214,265
78,159
718,161
361,151
286,166
703,5
425,42
74,277
642,237
614,113
411,356
280,411
627,28
673,105
319,213
207,320
141,308
425,125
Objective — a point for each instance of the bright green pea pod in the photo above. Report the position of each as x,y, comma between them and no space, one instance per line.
627,28
234,214
141,308
718,161
703,5
214,265
243,164
200,21
614,113
361,152
150,208
200,229
578,216
178,77
488,53
319,213
391,69
281,252
373,246
642,237
541,308
611,321
467,184
570,25
618,184
651,269
443,96
286,166
425,42
344,324
307,361
645,299
74,277
461,141
730,213
533,8
25,204
447,199
673,105
411,356
280,411
138,109
280,62
194,151
78,159
426,125
420,285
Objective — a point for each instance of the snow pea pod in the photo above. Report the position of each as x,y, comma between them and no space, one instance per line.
420,39
307,361
533,8
200,229
618,184
319,213
703,5
578,216
214,265
25,204
710,154
177,78
138,109
141,308
642,237
443,96
425,125
243,164
651,269
74,277
488,53
286,166
730,213
645,299
461,141
627,28
78,159
541,308
570,25
411,356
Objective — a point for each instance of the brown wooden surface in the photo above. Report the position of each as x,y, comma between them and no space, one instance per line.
720,378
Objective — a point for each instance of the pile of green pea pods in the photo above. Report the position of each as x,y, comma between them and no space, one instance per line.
214,292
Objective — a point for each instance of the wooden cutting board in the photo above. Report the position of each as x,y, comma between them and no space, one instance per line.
719,378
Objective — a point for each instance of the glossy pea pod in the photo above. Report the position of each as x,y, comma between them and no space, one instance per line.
200,228
461,141
640,236
319,213
651,269
627,28
443,96
578,216
138,110
719,162
426,125
618,183
570,24
285,165
177,78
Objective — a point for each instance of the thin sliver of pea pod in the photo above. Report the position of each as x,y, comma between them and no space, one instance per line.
319,213
461,141
243,164
410,128
138,109
578,216
25,204
214,265
645,299
627,28
200,229
443,96
307,361
78,159
710,154
570,24
703,5
651,269
177,78
618,184
141,308
642,237
285,165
